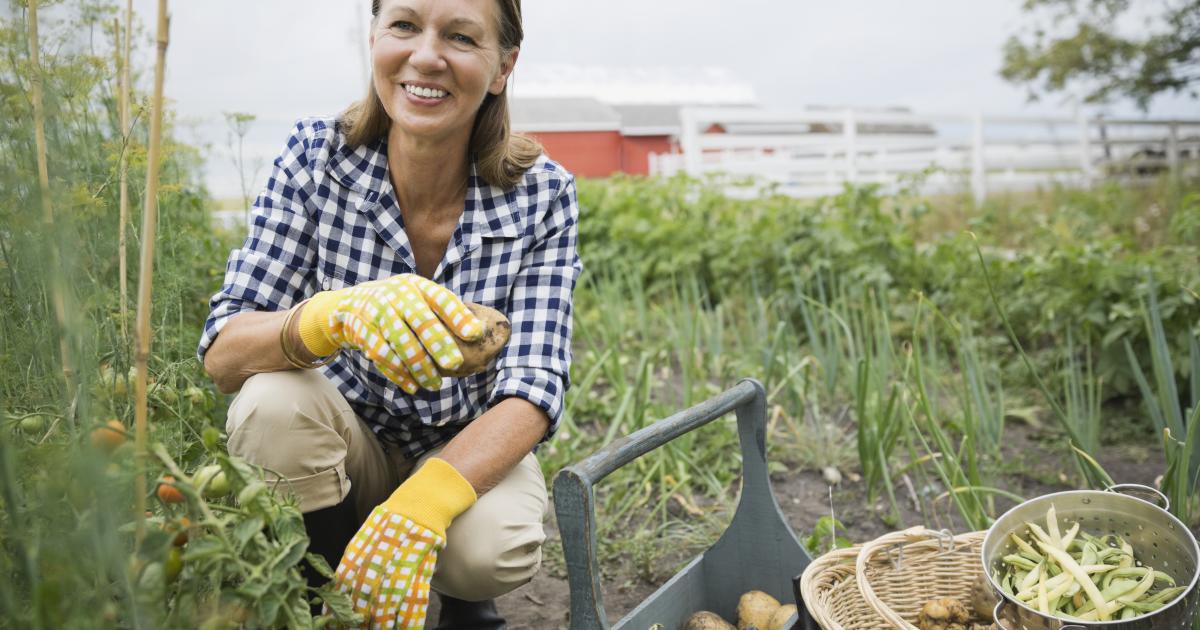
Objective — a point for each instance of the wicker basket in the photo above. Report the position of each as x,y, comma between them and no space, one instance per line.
882,584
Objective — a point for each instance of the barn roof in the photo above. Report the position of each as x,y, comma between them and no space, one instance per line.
563,114
649,120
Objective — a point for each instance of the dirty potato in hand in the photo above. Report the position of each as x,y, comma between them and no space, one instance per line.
478,354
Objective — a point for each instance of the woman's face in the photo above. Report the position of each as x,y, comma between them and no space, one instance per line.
434,61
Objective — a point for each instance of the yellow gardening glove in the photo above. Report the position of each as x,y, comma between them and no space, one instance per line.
388,565
399,323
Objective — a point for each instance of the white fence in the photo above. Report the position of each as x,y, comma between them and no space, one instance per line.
812,153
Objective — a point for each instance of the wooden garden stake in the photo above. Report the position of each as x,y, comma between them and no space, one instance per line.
146,269
57,288
123,217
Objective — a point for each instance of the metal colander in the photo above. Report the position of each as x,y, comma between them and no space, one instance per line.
1159,540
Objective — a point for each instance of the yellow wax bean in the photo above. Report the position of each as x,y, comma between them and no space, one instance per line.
1068,564
1026,547
1069,537
1052,527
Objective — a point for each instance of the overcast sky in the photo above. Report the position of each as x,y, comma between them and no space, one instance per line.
285,59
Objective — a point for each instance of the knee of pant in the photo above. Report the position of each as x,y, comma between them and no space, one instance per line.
276,416
259,401
484,567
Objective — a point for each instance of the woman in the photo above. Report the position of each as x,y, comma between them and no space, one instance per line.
336,312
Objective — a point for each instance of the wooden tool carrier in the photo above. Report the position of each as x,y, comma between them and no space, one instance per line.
758,550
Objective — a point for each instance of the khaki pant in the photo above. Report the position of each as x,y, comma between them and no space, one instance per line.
297,424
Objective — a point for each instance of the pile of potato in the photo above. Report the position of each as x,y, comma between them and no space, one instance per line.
950,614
755,609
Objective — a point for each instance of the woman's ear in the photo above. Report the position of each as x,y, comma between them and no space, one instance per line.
507,62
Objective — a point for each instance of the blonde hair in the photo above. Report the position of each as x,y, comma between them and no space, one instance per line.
501,156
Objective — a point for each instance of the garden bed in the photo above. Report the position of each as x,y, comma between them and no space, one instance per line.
803,496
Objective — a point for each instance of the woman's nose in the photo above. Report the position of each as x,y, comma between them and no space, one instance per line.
427,53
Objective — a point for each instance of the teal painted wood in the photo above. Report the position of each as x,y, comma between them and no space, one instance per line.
758,550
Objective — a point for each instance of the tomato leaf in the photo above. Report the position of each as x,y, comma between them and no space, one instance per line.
289,556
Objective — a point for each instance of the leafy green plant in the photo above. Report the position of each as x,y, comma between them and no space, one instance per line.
241,562
823,537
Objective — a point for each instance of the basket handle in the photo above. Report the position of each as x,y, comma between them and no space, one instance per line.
887,543
1004,603
574,498
1137,487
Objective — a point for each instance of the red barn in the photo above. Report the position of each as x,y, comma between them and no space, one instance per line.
593,139
647,129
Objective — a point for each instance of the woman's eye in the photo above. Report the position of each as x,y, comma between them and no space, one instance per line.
464,39
402,25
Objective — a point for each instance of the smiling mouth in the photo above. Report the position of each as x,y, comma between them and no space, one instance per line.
425,92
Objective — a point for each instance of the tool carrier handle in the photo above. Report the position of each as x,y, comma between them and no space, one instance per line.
574,498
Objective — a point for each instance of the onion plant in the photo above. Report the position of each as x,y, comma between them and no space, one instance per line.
1176,423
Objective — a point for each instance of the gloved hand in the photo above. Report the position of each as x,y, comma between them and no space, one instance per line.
388,565
397,322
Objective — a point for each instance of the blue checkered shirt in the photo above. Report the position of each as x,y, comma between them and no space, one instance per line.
329,219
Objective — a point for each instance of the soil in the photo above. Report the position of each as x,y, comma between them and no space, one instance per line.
1038,465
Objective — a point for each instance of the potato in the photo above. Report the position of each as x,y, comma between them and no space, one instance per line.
943,614
478,354
754,610
983,598
783,618
705,620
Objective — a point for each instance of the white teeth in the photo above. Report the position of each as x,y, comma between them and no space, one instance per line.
425,92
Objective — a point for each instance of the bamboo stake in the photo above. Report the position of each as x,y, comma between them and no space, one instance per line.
57,290
146,269
127,132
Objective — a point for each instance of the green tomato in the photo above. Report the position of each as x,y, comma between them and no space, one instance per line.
168,395
219,486
33,424
196,395
213,480
211,436
121,383
251,492
173,565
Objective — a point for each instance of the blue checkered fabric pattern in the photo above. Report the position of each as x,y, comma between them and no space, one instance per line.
328,218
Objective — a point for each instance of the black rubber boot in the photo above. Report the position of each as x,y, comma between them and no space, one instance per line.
460,614
329,531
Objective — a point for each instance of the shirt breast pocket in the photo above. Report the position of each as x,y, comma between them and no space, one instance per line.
495,267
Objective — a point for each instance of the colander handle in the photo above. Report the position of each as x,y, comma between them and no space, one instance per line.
1000,605
1166,503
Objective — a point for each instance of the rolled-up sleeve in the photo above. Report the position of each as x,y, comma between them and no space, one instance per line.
535,364
275,266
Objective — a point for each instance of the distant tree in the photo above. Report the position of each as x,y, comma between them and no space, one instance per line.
1080,44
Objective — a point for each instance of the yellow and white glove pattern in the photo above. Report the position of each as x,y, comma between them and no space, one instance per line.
400,323
388,565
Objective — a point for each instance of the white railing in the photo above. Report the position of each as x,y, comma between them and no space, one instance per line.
812,153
